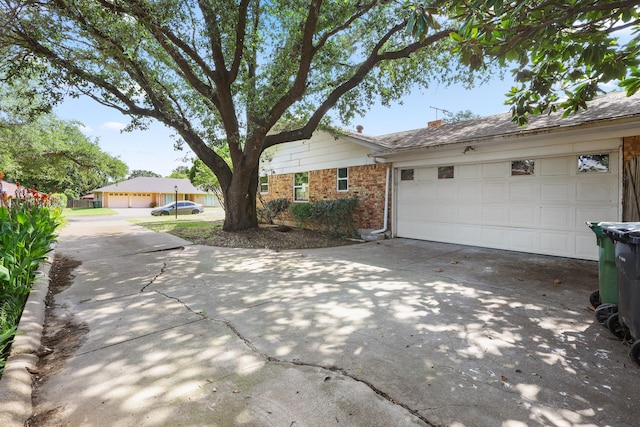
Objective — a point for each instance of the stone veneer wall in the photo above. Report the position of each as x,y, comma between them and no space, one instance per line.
367,183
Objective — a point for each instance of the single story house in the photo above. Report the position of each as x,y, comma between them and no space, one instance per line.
144,192
10,191
483,182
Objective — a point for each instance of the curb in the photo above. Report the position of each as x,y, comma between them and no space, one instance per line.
16,385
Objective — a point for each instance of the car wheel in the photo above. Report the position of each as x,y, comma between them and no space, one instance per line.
165,212
195,211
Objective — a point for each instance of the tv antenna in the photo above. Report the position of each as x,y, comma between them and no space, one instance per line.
439,109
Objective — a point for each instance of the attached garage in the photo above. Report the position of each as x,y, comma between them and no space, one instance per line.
115,200
495,204
132,200
486,182
141,200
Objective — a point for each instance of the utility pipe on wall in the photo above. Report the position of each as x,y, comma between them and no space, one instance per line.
386,205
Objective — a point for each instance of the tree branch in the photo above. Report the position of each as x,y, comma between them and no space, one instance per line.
365,68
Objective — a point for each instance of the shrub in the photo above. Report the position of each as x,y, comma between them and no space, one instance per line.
301,213
335,216
332,216
273,209
58,200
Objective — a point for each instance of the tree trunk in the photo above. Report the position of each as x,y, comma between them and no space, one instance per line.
240,201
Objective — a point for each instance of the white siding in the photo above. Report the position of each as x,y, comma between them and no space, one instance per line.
322,151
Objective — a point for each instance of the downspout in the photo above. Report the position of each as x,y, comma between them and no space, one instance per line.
386,205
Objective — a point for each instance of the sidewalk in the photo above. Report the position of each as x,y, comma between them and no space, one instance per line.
386,333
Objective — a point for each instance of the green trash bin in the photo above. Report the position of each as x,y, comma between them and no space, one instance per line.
97,204
607,292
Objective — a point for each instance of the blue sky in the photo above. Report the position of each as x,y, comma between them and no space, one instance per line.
153,149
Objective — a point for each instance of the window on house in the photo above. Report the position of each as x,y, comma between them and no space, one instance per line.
445,172
264,184
522,167
406,174
301,187
593,163
343,179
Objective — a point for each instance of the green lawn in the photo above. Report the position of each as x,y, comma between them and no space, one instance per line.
68,212
167,224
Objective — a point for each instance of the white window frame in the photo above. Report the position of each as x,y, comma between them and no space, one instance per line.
304,187
344,179
264,185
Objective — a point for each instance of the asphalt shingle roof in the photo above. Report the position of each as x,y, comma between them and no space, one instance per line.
615,105
146,184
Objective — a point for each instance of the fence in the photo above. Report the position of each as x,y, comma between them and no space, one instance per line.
79,203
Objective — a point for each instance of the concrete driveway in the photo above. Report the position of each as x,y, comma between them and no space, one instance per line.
389,333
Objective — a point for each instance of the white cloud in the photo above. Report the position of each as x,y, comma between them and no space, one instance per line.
86,130
113,126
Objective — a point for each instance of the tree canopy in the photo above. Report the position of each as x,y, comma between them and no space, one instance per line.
54,156
136,173
561,53
224,73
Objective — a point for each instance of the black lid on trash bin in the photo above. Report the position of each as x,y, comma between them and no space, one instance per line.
626,232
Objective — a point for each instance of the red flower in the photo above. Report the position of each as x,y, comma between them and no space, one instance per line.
1,175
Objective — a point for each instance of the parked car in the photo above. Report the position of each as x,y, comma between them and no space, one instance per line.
184,208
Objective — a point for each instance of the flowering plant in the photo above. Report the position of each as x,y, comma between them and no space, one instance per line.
27,233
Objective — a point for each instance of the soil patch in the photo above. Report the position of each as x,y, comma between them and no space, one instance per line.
265,237
61,336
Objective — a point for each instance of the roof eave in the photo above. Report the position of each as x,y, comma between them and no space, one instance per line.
518,134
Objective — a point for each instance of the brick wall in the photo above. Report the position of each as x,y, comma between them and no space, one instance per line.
630,147
367,183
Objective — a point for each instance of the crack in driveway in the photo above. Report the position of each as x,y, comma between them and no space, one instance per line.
334,369
295,362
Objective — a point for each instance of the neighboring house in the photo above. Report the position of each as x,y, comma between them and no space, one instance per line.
484,182
10,191
143,192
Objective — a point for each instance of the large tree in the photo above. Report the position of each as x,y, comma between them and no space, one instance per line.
225,73
54,156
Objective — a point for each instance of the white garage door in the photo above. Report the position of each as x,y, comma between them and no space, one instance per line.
118,201
141,200
505,206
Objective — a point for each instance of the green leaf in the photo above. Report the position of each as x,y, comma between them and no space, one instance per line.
4,274
455,37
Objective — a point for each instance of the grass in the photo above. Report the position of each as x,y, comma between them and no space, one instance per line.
168,224
69,212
